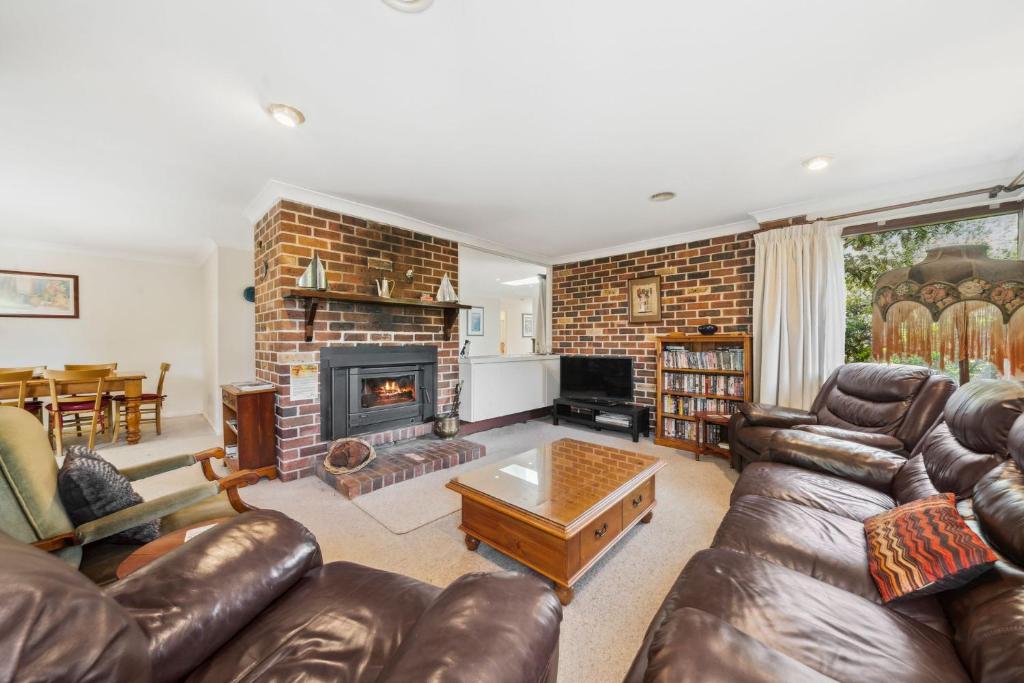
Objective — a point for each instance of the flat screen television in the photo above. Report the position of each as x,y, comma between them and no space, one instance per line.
603,378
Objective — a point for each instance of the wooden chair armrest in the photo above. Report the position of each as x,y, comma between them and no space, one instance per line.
59,542
204,457
234,481
216,452
238,479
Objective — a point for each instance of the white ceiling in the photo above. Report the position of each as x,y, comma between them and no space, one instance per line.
538,125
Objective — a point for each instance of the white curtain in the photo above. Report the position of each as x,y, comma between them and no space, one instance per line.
540,319
799,312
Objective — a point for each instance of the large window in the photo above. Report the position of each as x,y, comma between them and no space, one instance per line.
869,256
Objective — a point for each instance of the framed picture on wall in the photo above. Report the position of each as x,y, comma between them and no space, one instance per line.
644,299
38,295
527,324
475,322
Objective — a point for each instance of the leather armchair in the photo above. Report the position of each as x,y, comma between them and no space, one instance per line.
251,600
883,406
34,515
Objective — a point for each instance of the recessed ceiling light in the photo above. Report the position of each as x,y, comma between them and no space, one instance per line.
532,280
286,115
818,163
662,196
409,5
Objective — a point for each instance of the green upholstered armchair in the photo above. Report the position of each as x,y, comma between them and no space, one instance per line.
31,510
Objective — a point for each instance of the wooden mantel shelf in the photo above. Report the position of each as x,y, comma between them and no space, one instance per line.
314,296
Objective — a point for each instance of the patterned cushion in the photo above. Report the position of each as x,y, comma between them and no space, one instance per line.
90,488
923,547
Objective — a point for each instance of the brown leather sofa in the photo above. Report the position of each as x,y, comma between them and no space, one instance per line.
784,594
886,406
251,600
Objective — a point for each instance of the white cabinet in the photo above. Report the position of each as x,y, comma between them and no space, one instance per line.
494,386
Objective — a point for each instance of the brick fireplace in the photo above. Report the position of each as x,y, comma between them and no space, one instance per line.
355,252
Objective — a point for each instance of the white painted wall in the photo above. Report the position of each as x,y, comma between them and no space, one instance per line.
138,313
229,325
514,309
486,345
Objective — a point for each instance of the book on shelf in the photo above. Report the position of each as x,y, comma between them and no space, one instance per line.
720,385
687,431
679,405
681,358
231,450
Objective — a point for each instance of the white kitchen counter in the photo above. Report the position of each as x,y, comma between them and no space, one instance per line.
493,386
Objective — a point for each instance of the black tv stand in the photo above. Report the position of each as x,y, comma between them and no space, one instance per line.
588,412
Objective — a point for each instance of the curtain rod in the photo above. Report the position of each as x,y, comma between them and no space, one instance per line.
992,192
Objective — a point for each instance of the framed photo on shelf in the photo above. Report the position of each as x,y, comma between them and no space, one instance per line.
38,295
475,322
527,324
644,299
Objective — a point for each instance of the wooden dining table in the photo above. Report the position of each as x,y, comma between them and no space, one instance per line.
119,380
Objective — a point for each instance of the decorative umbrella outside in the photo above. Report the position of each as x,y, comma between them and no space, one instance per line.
955,304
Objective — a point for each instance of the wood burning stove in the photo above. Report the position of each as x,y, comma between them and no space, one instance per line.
375,388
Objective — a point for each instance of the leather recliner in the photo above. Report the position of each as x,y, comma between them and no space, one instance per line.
886,406
251,600
785,594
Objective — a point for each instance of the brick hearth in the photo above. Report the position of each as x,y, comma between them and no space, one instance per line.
402,461
353,251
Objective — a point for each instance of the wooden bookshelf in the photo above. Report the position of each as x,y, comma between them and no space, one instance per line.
698,343
249,429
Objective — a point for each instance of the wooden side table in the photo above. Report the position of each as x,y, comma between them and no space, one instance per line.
160,547
703,446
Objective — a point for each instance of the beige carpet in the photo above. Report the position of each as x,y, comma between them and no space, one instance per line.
614,602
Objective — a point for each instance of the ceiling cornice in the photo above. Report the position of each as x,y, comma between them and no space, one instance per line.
275,190
656,242
896,193
960,180
102,252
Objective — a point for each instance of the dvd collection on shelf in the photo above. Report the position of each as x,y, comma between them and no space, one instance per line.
696,383
689,406
717,359
681,429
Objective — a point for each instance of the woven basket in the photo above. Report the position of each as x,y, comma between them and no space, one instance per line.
339,444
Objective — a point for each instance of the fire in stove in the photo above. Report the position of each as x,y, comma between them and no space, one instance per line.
389,391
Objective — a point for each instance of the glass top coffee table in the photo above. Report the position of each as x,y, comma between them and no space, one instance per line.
557,508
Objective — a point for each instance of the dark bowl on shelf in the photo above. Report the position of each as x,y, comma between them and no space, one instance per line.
707,328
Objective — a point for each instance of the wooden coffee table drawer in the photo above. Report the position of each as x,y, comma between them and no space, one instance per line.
638,501
600,533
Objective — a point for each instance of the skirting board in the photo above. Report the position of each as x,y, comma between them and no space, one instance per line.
503,421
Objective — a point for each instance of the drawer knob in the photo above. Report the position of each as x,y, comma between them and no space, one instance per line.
639,499
598,533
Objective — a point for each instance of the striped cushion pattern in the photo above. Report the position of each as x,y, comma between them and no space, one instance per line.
923,547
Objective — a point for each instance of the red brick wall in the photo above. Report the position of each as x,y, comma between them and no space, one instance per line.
285,239
704,281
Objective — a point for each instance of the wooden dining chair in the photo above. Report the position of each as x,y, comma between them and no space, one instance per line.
94,405
150,405
21,376
80,418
